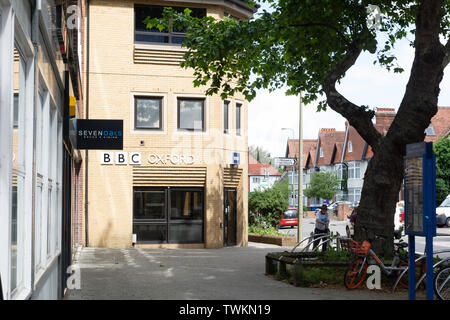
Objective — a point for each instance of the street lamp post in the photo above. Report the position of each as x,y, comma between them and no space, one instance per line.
300,172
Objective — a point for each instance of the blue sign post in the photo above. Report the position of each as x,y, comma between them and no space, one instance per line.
420,207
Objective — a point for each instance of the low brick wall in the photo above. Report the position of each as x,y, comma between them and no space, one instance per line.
284,241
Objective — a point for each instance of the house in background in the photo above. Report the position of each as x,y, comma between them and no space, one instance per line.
291,173
261,176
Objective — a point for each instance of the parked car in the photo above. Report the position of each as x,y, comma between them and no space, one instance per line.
289,218
443,213
399,220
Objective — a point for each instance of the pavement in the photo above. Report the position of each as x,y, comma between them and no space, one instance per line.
233,273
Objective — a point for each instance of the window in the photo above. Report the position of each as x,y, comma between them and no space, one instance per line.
191,114
430,131
238,119
354,195
174,35
226,105
168,215
255,179
16,111
350,147
354,170
148,113
321,152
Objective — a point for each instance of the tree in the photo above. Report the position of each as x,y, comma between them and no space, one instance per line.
323,185
260,154
270,202
309,46
442,151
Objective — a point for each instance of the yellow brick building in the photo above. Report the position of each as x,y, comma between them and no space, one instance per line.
174,183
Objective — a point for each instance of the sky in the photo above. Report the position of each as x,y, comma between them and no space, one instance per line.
364,84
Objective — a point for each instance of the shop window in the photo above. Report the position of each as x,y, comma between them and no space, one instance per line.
168,215
174,35
191,114
148,113
238,119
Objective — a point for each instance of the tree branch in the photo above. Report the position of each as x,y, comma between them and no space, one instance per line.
357,116
325,25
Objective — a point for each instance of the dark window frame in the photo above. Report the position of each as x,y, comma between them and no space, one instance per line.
170,34
238,121
226,117
161,106
167,221
179,99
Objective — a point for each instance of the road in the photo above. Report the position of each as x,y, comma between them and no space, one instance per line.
441,242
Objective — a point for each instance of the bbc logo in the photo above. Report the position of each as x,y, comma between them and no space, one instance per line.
121,158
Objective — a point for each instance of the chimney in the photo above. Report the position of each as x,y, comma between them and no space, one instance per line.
327,130
384,116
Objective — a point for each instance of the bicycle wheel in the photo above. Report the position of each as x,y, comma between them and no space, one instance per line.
355,273
420,270
442,284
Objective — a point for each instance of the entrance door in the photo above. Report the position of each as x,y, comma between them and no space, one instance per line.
229,217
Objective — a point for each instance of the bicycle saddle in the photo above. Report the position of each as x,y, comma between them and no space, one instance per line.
401,244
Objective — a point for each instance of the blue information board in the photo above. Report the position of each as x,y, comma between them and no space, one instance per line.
420,189
420,208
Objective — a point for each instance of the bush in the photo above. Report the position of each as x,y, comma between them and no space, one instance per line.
268,204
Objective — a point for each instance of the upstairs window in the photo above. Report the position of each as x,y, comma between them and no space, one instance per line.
148,113
226,105
191,114
321,152
430,131
350,147
174,35
238,119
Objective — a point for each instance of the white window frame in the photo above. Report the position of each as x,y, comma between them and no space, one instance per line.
12,35
321,152
350,147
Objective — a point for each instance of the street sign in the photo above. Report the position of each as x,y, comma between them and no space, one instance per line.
420,208
285,161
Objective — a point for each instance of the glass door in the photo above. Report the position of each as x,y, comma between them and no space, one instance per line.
229,218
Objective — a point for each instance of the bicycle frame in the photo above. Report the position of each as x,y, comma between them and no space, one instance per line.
386,269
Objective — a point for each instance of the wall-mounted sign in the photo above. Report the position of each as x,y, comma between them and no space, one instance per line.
121,158
135,158
236,159
98,134
170,158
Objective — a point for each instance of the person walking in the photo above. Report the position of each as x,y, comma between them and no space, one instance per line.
321,228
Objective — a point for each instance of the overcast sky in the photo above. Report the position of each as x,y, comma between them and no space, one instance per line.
364,84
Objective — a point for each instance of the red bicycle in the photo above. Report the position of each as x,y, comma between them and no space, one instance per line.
357,269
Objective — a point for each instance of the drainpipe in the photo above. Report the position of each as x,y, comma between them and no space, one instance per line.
86,179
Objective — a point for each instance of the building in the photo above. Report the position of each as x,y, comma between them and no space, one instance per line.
40,72
181,178
261,176
291,173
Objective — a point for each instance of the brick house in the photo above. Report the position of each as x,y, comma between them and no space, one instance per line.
261,176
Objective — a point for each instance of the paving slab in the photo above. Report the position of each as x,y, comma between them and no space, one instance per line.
233,273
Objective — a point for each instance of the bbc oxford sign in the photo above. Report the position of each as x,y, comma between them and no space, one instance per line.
97,134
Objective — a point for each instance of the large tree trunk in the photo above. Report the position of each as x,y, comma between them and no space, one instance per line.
384,174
